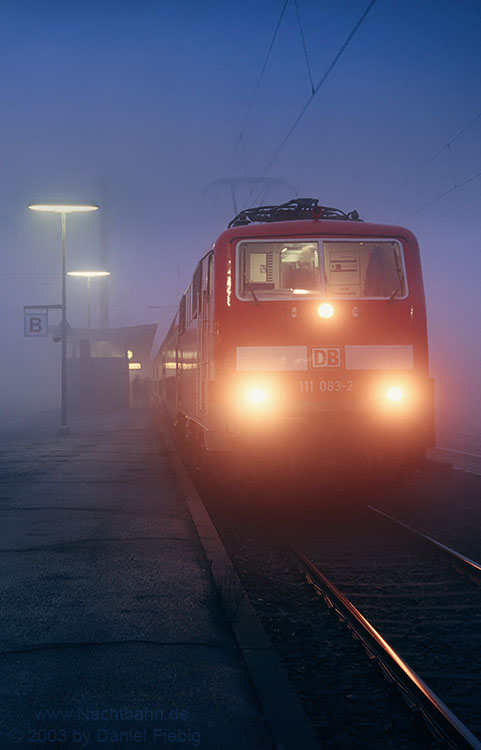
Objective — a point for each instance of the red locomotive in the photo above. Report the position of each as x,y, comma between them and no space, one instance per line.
303,333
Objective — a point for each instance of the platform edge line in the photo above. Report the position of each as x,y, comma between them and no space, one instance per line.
286,719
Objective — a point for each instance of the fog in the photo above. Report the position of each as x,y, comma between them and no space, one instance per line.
140,106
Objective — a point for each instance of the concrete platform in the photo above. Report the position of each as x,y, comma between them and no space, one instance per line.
111,630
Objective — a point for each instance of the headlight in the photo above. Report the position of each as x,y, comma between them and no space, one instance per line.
256,399
325,310
257,396
395,394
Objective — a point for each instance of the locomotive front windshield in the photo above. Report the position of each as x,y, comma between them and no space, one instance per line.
353,269
277,268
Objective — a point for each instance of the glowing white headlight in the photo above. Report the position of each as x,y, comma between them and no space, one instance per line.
325,310
256,396
394,394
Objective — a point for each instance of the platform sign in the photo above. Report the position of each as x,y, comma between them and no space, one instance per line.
35,323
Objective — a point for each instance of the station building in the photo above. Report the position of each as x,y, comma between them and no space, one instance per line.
103,364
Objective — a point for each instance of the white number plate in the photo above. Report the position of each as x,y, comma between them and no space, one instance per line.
326,386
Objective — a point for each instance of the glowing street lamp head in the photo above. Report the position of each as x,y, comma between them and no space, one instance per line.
63,208
88,274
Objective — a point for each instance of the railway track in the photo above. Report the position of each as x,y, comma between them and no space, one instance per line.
388,586
430,616
460,563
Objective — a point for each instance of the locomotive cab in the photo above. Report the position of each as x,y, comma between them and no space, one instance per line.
307,336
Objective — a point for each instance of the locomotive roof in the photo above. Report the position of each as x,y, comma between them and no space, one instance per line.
293,210
315,228
305,217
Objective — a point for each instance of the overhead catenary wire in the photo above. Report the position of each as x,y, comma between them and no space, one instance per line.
304,46
438,198
240,137
317,88
451,164
428,161
446,146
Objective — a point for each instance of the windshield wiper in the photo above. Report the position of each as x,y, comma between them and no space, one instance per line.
256,299
395,293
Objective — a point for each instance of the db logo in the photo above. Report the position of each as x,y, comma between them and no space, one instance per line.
326,356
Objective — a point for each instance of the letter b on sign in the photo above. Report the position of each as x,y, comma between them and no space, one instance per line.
35,323
326,356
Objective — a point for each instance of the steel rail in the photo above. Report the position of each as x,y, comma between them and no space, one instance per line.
442,721
465,564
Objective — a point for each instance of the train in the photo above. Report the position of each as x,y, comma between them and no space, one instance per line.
302,335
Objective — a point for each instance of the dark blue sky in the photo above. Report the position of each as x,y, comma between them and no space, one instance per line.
139,105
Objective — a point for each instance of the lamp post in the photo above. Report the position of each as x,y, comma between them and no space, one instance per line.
88,275
63,209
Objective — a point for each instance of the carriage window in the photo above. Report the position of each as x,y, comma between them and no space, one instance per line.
363,269
269,270
182,315
196,284
188,305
